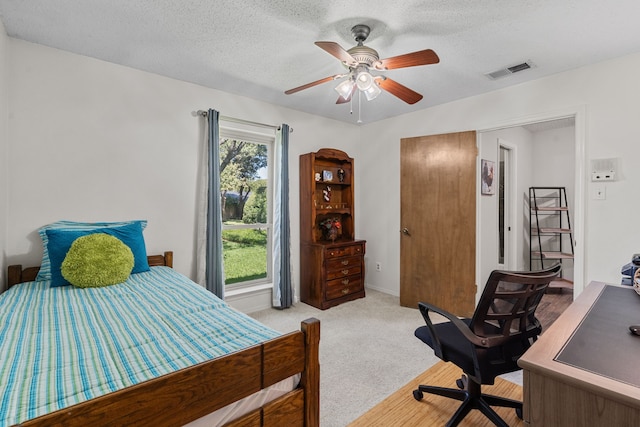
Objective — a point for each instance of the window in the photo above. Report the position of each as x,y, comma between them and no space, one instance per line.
246,201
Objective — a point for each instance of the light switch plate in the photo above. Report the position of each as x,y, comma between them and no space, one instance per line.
599,192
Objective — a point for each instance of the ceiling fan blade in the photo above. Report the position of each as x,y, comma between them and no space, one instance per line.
422,57
312,84
336,50
396,89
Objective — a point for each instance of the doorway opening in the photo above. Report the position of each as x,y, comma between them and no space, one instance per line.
543,151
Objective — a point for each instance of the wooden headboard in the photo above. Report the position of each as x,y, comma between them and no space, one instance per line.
16,274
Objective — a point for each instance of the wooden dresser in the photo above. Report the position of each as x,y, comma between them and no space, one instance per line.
331,265
332,274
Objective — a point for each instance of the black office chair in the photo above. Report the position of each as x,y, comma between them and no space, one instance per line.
489,344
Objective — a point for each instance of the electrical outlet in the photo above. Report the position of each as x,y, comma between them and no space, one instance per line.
378,266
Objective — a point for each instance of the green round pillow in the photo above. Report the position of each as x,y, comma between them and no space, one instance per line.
97,260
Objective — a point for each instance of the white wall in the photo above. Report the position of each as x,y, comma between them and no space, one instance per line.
607,93
4,157
91,140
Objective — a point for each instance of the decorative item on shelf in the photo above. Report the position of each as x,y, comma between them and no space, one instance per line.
341,175
330,227
327,176
326,194
317,176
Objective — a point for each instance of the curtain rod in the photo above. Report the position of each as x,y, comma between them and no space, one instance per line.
234,120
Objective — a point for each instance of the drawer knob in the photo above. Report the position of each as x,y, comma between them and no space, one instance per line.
345,282
345,291
345,272
345,262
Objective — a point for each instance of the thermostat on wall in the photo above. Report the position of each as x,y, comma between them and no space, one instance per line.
603,169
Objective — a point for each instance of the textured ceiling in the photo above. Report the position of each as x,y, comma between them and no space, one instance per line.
261,48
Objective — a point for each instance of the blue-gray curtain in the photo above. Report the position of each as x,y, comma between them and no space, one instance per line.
282,286
214,272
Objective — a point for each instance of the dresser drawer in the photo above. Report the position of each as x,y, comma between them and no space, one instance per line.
345,263
342,251
341,287
357,249
343,272
339,252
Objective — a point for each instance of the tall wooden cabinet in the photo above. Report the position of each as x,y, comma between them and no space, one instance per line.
331,261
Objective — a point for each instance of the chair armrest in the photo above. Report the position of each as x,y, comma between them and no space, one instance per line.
455,320
424,310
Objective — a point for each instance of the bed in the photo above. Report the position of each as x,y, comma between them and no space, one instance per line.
189,393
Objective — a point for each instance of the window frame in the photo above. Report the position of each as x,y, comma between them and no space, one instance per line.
267,139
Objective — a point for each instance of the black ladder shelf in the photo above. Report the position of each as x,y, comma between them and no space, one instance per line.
549,222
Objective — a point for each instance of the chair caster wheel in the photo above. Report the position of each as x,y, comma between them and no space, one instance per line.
418,395
519,412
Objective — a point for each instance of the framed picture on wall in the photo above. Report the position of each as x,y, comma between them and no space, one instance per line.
488,182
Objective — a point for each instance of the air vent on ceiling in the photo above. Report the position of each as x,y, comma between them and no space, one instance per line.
509,70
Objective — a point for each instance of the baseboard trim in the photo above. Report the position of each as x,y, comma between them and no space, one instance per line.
255,300
383,290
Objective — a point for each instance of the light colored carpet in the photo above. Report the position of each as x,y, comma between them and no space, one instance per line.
367,351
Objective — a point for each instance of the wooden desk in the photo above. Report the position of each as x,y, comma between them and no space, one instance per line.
557,394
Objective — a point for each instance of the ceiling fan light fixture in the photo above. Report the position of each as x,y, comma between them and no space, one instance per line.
364,80
345,88
373,92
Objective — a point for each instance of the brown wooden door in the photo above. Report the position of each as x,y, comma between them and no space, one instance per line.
438,220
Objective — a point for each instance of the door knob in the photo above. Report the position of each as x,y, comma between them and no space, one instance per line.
405,231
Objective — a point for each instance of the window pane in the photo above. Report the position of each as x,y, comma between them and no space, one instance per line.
243,183
245,210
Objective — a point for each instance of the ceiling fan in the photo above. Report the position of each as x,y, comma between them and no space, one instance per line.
361,61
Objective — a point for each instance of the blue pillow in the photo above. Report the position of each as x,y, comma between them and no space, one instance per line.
45,266
60,240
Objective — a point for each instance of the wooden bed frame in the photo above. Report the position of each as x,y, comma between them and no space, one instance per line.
188,394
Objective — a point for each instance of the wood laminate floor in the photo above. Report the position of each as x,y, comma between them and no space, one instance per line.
552,306
402,410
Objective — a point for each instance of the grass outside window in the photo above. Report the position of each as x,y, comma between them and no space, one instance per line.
245,255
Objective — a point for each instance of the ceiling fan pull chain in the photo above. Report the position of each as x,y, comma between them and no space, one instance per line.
359,106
